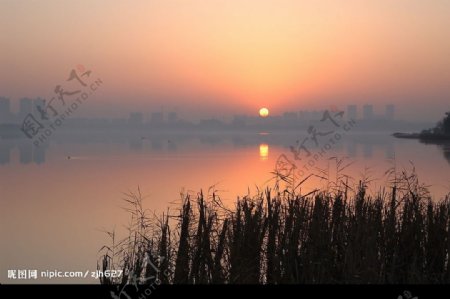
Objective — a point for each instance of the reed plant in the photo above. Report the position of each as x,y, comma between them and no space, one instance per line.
342,235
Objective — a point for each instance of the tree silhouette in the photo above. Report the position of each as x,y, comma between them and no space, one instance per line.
446,124
441,128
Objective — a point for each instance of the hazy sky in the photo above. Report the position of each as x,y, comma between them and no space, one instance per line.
232,56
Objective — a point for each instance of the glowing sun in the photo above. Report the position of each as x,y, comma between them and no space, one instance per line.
263,112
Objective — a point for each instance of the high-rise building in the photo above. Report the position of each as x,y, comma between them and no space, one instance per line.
304,115
156,118
5,110
352,112
390,112
172,117
316,115
135,118
239,121
368,112
290,115
25,107
38,102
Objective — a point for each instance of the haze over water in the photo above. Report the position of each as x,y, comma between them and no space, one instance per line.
54,208
167,96
219,58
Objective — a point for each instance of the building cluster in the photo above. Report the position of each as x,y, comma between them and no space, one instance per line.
368,113
160,119
26,106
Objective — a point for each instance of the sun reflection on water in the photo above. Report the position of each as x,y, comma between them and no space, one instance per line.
263,151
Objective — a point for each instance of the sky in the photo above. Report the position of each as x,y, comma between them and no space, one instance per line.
215,58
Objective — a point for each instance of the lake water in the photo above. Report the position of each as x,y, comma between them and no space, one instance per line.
56,200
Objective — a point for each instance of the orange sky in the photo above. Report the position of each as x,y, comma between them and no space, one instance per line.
237,55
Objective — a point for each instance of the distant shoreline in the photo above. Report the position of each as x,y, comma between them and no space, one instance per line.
423,136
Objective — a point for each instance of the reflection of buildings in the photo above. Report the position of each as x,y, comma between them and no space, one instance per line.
38,155
26,153
389,153
446,152
136,144
368,150
353,146
5,150
445,147
210,139
157,144
171,146
351,149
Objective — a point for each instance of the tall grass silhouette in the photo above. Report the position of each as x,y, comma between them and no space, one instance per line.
279,236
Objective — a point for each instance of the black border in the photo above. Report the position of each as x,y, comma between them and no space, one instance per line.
263,291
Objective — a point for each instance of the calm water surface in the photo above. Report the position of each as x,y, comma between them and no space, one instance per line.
55,201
